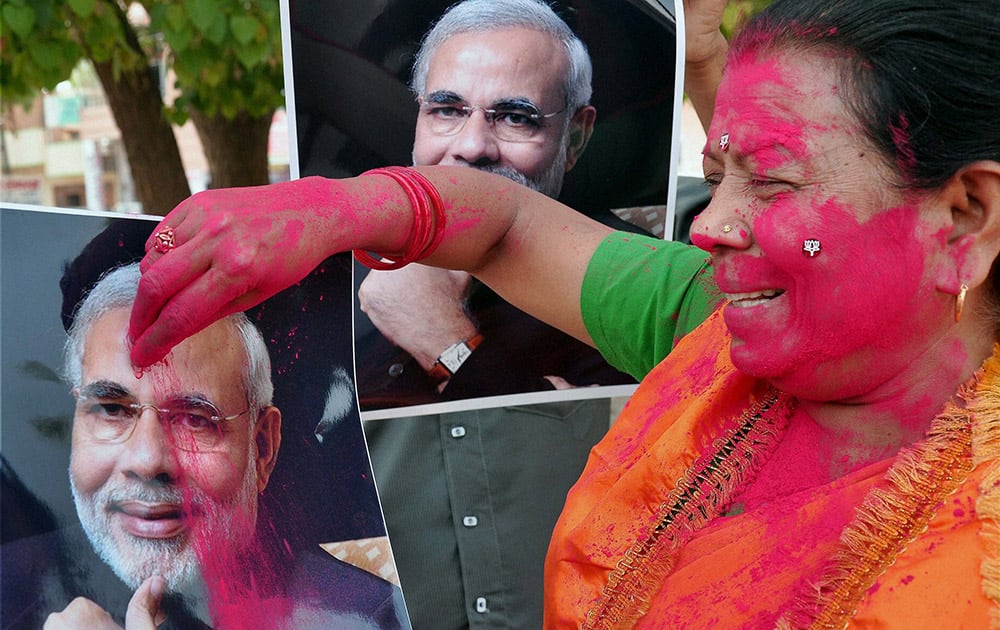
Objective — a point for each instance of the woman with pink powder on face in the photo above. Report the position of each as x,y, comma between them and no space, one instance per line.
823,451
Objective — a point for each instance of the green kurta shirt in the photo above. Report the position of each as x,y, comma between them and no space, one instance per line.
641,294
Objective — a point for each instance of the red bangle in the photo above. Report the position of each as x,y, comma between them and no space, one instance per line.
428,219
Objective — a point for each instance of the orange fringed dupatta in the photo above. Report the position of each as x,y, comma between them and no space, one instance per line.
985,409
696,430
907,532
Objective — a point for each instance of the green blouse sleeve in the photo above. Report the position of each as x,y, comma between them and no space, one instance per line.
641,294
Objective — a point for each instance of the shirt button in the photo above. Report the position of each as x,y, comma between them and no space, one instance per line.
457,432
470,521
481,605
396,369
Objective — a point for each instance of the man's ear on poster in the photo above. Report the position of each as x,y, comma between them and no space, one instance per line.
581,128
267,442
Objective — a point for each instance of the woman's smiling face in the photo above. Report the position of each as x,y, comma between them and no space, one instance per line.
837,321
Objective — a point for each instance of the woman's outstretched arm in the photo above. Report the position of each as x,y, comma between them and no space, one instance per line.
235,248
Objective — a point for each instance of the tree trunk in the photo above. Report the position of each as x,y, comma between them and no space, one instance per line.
153,156
136,103
236,149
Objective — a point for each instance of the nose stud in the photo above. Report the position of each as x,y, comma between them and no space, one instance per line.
727,228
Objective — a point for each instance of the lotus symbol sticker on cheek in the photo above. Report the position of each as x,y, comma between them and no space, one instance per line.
811,246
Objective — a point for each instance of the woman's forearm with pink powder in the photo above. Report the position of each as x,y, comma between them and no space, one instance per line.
237,247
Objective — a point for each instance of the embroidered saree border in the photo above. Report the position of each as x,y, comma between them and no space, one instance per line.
701,495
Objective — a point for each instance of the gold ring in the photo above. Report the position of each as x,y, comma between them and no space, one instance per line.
164,240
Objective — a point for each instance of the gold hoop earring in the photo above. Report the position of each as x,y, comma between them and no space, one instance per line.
960,302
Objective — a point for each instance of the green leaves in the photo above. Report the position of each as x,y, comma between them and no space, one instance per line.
226,54
252,54
19,18
204,13
34,54
245,28
176,18
46,53
738,12
82,8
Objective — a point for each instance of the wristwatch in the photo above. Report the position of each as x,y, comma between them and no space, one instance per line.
453,357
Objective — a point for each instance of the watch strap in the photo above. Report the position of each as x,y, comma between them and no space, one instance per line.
441,372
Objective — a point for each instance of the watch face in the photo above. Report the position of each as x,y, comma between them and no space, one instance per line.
455,356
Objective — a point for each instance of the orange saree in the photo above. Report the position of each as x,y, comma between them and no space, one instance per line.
646,538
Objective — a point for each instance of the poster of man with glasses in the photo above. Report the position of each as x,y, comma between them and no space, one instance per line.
556,98
179,475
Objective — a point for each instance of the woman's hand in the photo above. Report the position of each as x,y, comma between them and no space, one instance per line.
233,249
703,39
705,54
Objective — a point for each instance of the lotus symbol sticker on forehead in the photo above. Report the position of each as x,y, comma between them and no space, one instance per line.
811,246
